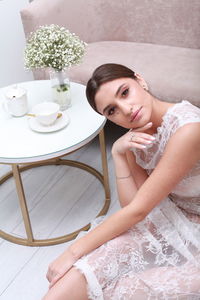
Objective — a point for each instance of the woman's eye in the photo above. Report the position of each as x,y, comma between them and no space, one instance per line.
111,111
125,92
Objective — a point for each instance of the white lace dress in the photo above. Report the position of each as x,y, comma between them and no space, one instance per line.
159,258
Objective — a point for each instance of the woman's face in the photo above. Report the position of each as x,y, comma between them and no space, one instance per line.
124,102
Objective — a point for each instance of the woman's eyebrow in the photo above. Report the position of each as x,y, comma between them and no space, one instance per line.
116,94
118,90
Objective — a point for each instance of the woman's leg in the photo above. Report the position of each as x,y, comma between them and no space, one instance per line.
72,286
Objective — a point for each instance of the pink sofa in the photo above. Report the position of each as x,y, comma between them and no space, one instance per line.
158,39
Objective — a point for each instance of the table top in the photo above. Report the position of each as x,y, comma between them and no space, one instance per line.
20,144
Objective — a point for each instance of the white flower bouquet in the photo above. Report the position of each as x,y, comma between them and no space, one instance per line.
53,46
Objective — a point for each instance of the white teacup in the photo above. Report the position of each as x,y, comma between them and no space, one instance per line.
16,102
46,113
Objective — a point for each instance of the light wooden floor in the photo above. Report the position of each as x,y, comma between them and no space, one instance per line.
60,200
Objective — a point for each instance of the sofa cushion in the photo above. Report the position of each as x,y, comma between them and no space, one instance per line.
172,73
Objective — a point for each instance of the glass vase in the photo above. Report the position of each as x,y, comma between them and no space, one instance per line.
60,88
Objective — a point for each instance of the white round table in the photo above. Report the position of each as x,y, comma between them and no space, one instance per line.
24,148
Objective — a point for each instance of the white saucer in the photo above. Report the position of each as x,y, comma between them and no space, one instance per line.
59,124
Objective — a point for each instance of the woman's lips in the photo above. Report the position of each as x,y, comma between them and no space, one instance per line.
136,114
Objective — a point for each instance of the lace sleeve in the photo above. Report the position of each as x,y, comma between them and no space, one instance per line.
184,113
177,116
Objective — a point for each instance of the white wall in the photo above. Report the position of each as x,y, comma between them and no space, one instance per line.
12,43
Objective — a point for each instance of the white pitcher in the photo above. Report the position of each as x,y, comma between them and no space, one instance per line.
16,101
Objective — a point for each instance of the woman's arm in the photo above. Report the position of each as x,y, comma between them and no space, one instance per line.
128,186
129,176
180,155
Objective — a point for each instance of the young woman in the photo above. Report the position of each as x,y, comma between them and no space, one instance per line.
150,248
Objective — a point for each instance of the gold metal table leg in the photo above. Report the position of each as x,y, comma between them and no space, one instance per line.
22,202
30,241
104,164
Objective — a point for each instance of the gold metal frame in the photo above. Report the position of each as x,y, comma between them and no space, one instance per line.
16,170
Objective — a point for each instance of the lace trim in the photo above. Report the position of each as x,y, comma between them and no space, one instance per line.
93,287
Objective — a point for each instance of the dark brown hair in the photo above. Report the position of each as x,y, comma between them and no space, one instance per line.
103,74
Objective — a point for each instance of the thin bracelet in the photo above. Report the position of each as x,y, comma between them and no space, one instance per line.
124,177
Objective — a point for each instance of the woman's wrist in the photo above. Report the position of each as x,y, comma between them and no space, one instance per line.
118,155
122,170
76,249
74,253
120,162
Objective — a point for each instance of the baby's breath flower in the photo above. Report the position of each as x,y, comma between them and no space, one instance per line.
53,46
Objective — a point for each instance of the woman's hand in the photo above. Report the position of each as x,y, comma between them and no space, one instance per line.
60,267
133,138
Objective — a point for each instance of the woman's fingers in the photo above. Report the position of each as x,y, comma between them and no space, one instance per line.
53,277
137,136
133,138
140,136
140,139
52,273
140,144
54,280
143,128
135,145
60,266
49,276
